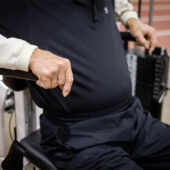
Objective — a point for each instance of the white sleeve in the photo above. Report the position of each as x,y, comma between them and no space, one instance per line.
124,10
15,53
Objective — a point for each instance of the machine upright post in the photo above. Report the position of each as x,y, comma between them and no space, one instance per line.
25,114
151,12
139,8
3,92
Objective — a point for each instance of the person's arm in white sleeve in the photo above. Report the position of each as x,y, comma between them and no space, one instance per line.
15,53
144,34
124,11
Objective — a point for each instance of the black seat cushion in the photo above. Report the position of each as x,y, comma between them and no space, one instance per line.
35,153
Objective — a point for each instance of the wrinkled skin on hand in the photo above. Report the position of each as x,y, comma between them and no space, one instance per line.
144,34
51,70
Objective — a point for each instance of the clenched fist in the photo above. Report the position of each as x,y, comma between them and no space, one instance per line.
144,34
51,70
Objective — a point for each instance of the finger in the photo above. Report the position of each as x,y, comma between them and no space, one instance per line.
61,87
39,83
61,78
153,41
68,82
46,82
54,82
142,40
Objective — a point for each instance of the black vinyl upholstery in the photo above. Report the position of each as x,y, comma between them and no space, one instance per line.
14,83
35,153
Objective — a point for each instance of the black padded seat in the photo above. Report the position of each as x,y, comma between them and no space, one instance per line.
35,153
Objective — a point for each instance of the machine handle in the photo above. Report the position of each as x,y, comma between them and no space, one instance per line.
126,36
18,74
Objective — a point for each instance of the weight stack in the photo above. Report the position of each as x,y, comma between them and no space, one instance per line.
152,79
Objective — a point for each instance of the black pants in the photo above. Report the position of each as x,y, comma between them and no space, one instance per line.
125,140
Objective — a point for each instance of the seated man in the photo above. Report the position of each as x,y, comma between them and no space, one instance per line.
99,125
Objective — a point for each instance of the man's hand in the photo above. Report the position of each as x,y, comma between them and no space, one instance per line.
144,34
51,70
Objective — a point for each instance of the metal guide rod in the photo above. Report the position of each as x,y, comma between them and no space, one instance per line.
151,11
3,94
25,122
139,8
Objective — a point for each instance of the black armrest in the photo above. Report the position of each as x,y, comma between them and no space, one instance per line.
15,83
18,74
126,36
